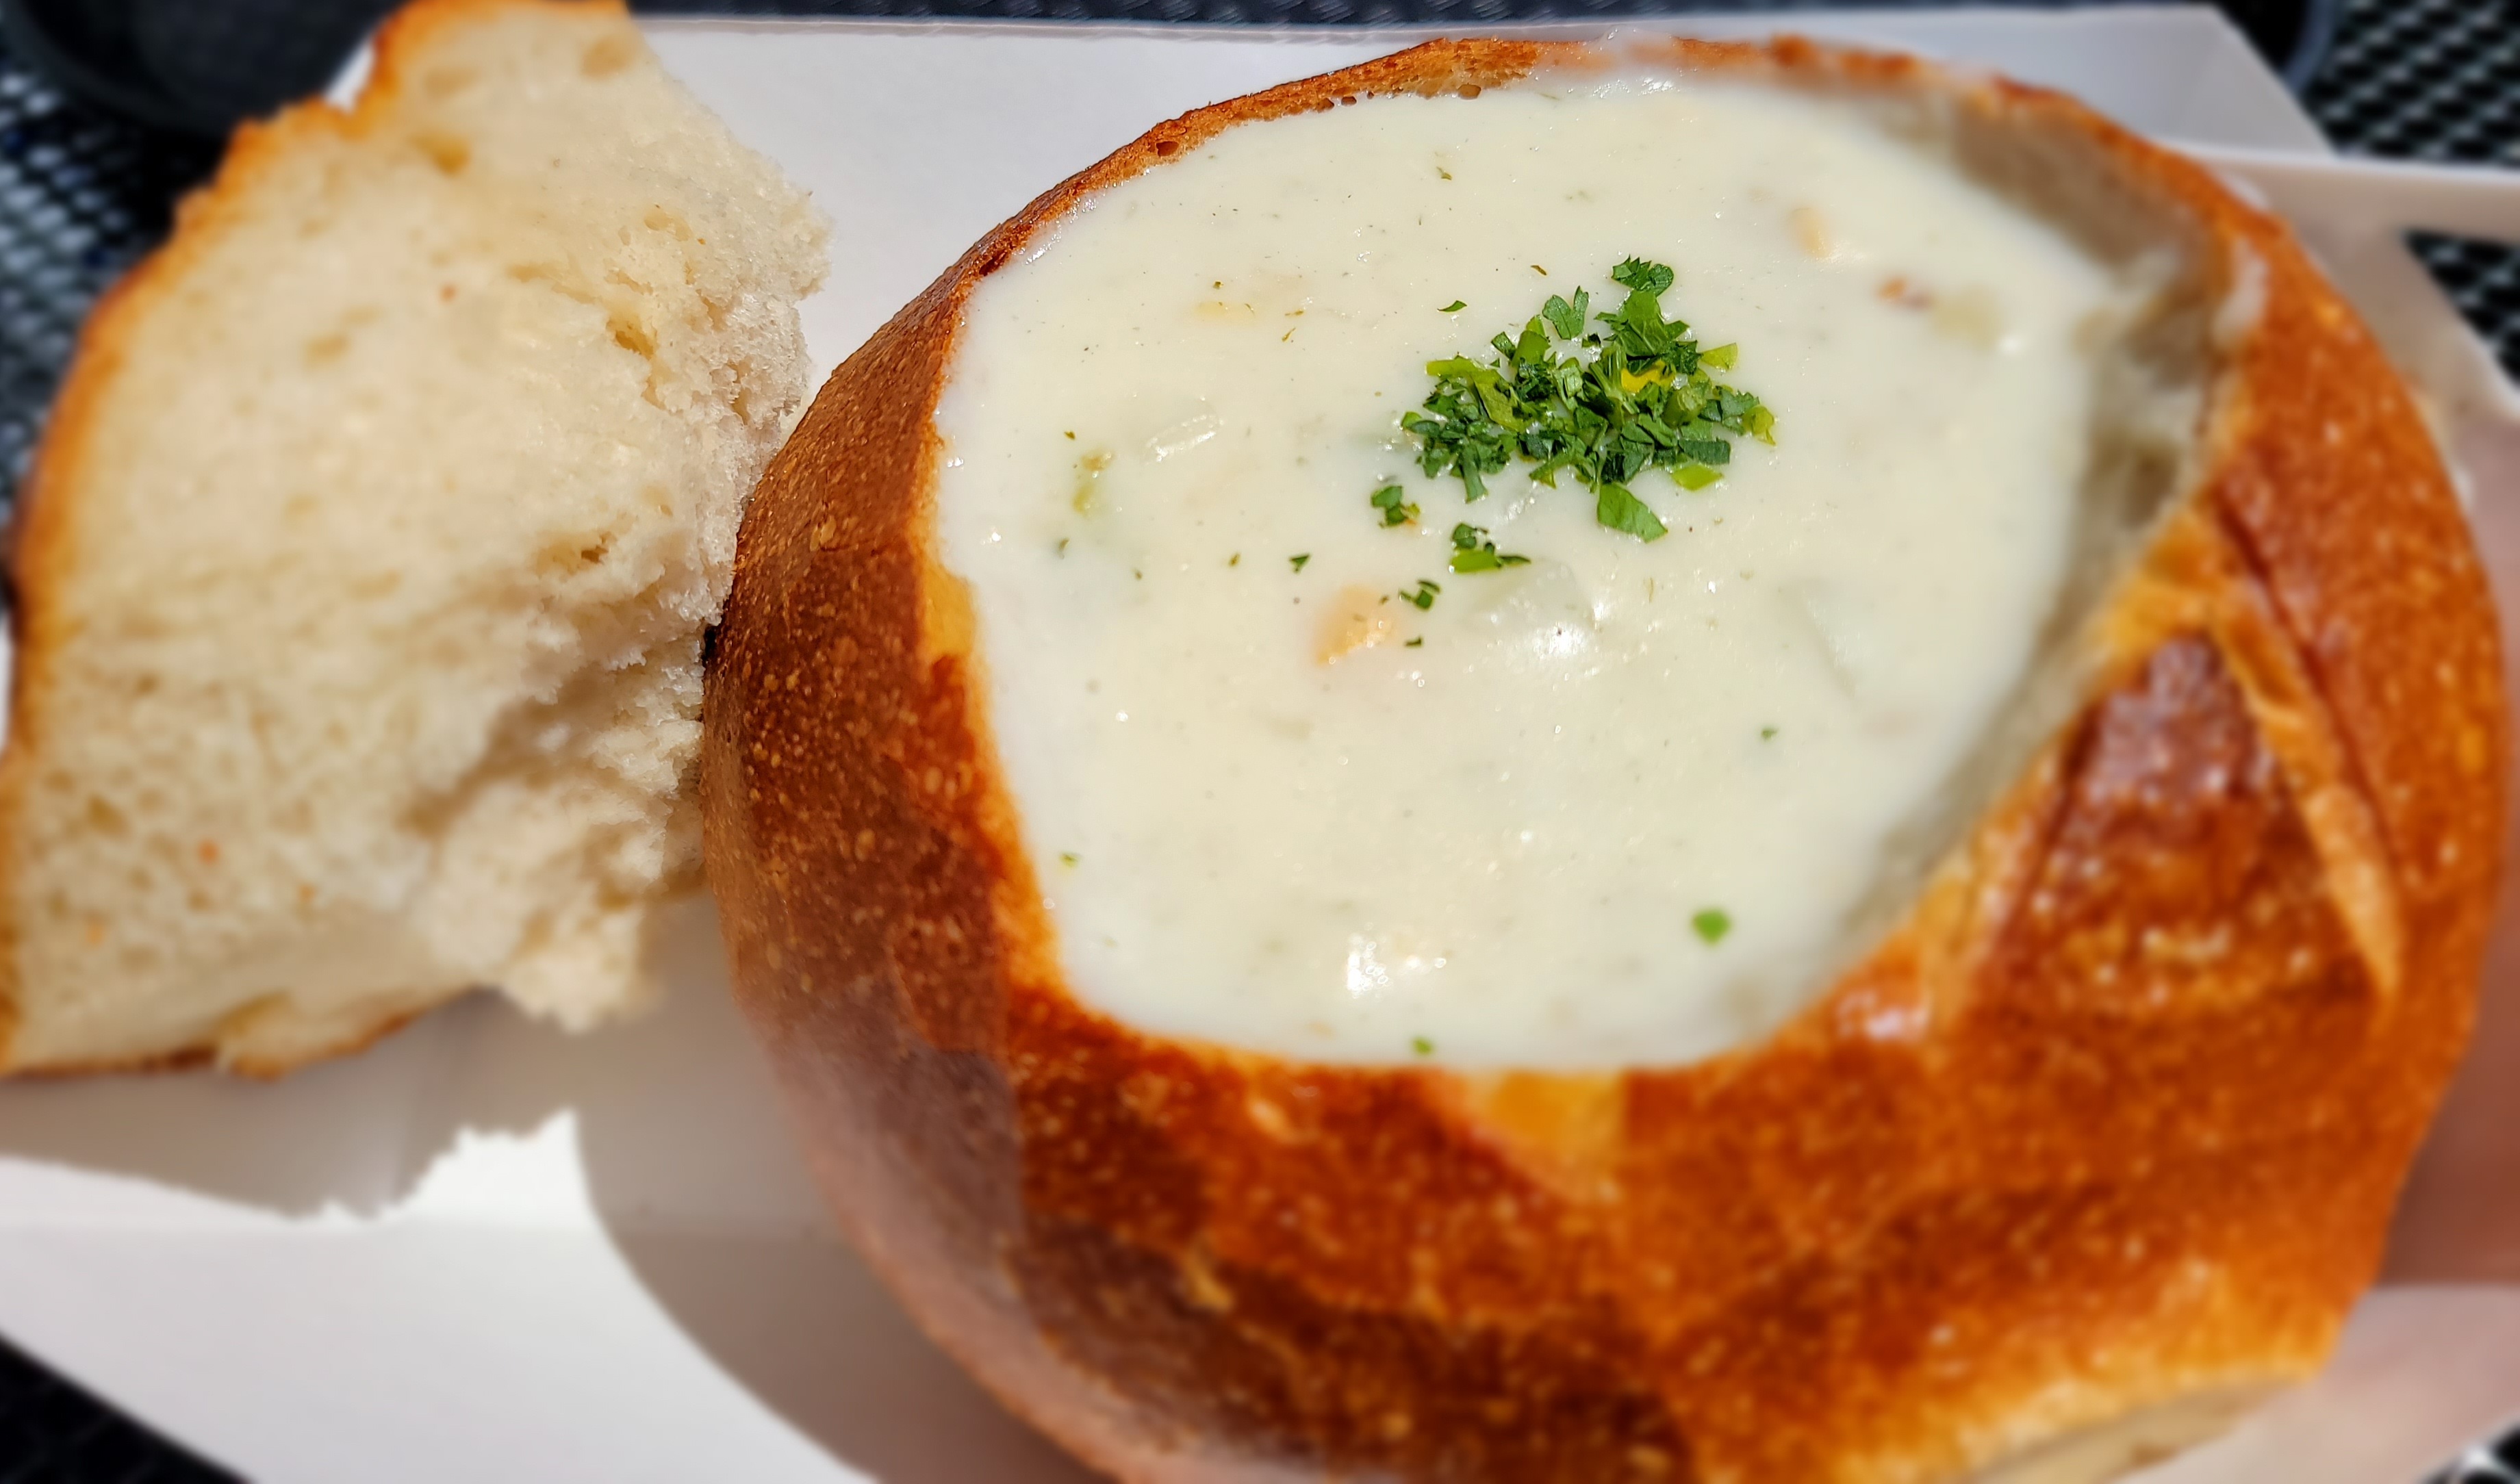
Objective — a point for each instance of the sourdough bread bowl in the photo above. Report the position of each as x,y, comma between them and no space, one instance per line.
2075,1131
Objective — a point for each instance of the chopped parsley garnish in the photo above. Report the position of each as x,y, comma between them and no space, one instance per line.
1393,502
1424,597
1767,733
1298,560
1455,307
1418,642
1472,551
1637,273
1712,925
1567,319
1633,393
1068,857
1619,509
1422,1045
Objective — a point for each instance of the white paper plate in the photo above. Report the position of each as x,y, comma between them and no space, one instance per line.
487,1251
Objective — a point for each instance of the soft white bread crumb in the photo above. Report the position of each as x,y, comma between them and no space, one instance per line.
365,565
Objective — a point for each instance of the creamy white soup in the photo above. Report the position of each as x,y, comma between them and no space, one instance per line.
1289,780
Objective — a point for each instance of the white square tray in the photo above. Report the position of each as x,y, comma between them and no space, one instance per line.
488,1251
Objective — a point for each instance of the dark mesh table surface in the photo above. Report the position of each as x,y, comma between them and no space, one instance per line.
84,193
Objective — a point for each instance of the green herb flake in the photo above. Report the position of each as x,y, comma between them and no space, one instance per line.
1068,857
1423,596
1455,307
1422,1045
1644,277
1604,404
1712,925
1418,642
1234,561
1298,560
1766,734
1619,509
1393,502
1567,317
1472,551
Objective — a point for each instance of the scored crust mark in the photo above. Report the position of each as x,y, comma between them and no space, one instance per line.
2108,1128
2195,579
2176,819
2362,565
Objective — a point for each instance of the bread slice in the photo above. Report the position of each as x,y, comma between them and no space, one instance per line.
363,571
2094,1143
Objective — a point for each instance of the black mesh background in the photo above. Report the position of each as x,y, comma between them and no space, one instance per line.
83,194
51,1432
2436,79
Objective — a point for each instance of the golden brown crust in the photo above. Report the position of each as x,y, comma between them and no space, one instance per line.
40,554
2114,1119
184,1061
